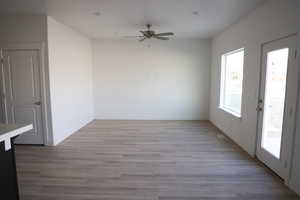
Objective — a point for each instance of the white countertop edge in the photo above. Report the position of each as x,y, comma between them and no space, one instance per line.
18,131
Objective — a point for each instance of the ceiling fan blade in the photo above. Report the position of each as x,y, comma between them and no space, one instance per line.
145,33
161,38
164,34
137,36
144,38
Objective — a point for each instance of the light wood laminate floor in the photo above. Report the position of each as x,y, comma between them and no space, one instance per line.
145,160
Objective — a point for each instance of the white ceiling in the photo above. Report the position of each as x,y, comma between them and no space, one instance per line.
120,18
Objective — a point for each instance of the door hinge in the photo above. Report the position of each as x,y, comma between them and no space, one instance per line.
1,56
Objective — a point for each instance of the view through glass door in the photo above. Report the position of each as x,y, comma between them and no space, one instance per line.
277,104
275,89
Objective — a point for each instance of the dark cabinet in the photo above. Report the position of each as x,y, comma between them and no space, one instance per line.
8,174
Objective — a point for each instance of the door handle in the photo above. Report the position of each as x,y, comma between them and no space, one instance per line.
259,108
38,103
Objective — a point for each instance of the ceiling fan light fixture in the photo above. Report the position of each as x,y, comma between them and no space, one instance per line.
149,34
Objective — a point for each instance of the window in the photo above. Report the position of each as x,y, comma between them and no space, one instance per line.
232,82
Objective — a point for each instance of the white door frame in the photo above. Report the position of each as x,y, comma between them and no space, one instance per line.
296,115
44,79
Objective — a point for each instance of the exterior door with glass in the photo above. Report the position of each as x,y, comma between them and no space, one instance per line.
277,104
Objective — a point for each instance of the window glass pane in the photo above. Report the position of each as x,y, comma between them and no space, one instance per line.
233,81
277,62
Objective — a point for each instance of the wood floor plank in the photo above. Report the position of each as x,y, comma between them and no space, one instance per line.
145,160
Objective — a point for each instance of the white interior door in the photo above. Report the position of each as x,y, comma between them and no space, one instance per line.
277,104
21,92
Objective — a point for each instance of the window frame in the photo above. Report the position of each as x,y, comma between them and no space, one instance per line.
223,83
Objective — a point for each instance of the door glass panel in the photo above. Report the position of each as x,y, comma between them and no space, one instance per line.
275,86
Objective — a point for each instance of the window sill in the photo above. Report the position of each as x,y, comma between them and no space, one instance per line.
231,112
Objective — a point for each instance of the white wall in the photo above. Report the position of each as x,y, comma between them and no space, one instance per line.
168,80
274,19
70,66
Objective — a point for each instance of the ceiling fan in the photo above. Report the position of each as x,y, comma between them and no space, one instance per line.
147,34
